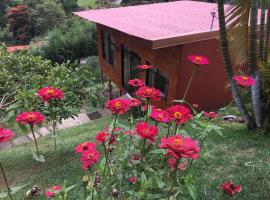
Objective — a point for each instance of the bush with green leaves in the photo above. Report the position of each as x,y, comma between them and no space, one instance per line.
74,40
23,75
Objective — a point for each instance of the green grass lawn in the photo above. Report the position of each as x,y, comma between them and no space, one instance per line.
87,3
241,156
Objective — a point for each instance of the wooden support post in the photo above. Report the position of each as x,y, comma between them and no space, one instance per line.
110,89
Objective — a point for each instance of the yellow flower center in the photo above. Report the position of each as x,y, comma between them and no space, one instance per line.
31,117
50,91
245,78
198,58
118,104
178,141
177,115
90,156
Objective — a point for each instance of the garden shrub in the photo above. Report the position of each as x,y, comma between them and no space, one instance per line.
23,75
74,40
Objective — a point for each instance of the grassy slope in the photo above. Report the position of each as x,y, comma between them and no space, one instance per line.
87,3
224,159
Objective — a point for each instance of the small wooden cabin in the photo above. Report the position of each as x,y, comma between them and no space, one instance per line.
163,35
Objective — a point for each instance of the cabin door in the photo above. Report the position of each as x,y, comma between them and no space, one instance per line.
130,61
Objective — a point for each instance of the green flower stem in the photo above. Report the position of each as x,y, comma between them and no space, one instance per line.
175,128
190,80
174,178
54,134
147,110
6,182
32,130
106,158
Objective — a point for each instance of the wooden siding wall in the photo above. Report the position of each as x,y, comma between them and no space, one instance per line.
207,89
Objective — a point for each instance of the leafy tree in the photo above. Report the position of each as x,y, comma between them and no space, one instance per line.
19,23
46,15
72,41
70,5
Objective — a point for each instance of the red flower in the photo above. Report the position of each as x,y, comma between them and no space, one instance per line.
102,136
210,115
148,92
136,82
118,106
198,60
179,113
160,115
134,102
180,147
31,118
89,158
50,93
144,67
5,135
133,179
86,146
145,131
51,192
244,80
230,188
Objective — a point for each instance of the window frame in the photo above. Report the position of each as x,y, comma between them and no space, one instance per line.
108,48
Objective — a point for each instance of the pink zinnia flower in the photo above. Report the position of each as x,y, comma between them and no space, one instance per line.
86,146
148,93
5,135
210,115
31,118
89,158
50,93
136,82
146,131
180,147
198,60
144,67
102,136
180,114
230,188
160,115
245,81
133,179
52,191
118,106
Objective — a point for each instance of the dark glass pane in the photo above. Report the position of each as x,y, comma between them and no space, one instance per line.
130,61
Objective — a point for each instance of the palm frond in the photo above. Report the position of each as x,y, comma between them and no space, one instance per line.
237,22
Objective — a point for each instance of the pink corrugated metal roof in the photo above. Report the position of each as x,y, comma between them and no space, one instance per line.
157,21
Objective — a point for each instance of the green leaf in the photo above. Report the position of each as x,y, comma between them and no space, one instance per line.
158,151
191,191
161,184
39,158
3,195
70,188
17,188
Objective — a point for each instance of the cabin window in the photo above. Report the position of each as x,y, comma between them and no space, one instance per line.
157,80
130,61
108,45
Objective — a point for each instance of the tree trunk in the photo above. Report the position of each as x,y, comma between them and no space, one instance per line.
225,50
255,89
